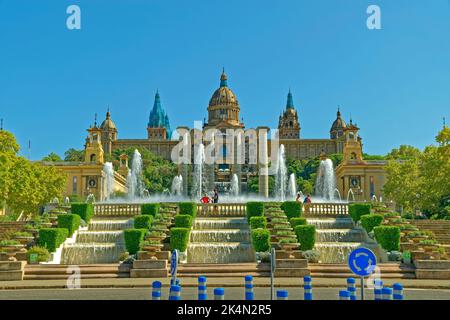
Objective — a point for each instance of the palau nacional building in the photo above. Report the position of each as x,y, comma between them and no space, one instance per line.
366,178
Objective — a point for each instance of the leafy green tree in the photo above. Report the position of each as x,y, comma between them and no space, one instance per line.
52,157
404,152
74,155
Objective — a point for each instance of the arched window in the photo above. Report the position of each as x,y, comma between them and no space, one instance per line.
92,157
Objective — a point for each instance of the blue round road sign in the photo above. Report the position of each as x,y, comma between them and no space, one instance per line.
362,262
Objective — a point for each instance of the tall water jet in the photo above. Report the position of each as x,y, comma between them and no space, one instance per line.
108,169
234,189
197,179
281,175
326,180
177,186
292,186
135,184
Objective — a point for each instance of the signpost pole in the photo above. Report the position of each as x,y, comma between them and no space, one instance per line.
272,271
362,288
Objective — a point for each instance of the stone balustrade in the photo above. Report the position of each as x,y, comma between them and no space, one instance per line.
325,209
221,210
117,209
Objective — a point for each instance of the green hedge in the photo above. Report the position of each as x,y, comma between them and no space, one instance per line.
179,238
133,238
183,221
258,222
297,222
306,235
52,238
292,209
71,222
261,240
255,209
388,237
370,221
189,208
356,210
143,221
42,254
84,210
150,208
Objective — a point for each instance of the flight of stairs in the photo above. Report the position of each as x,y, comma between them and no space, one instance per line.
440,228
387,270
91,271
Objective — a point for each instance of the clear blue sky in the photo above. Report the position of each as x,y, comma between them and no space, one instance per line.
394,82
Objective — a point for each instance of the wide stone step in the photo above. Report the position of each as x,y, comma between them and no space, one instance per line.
347,275
222,268
83,276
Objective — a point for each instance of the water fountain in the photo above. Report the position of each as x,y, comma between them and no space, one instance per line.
135,184
234,189
199,162
177,186
292,186
350,192
326,180
108,169
336,191
281,175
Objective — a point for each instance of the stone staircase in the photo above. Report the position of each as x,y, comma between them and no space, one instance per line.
440,228
90,271
387,271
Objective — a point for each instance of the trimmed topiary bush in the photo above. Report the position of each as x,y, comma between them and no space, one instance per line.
150,208
258,222
388,237
261,240
370,221
255,209
52,238
306,235
356,210
133,239
84,210
179,238
189,208
71,222
292,209
143,221
297,222
183,221
42,254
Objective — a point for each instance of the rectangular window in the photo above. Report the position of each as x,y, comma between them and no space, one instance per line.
74,185
372,186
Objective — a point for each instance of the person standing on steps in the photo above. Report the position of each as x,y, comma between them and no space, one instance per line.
215,199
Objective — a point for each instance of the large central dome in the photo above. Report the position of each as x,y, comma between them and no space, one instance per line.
223,105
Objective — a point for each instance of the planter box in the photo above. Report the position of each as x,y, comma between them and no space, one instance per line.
160,255
419,255
12,271
432,264
156,247
12,248
291,272
291,263
149,273
432,274
150,264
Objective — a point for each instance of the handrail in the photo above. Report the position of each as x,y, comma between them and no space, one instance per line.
328,209
221,210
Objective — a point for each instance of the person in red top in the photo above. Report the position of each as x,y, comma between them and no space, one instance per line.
205,199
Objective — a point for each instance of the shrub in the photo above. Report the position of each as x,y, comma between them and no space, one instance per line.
133,238
370,221
258,222
42,253
261,240
189,208
388,237
75,198
292,209
9,243
255,209
84,210
306,236
183,221
356,210
298,222
52,238
150,208
71,222
179,238
143,221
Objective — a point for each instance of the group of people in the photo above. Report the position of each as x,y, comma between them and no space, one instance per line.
213,199
307,199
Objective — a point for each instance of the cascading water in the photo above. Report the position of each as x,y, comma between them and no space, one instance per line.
234,189
177,186
281,175
102,242
220,240
326,180
108,169
199,163
135,184
292,186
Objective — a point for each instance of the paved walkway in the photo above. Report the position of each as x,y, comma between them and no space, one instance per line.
213,282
